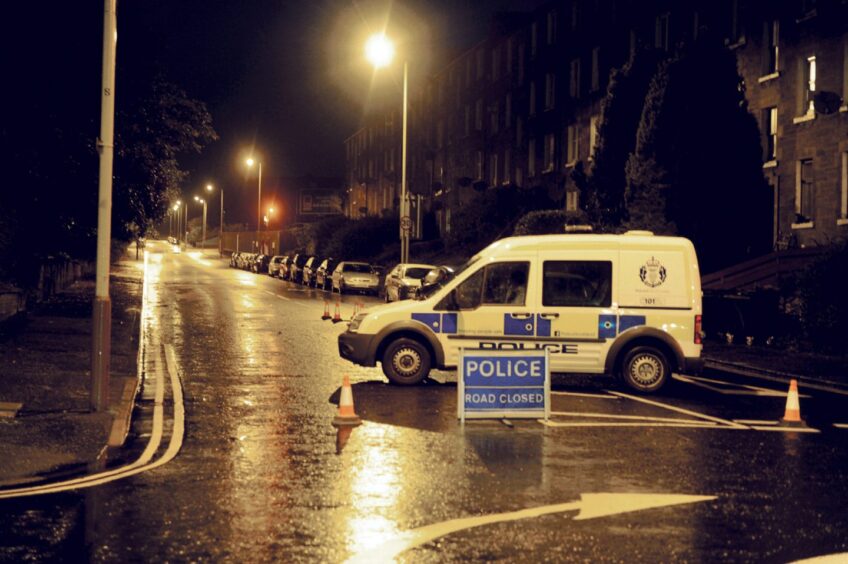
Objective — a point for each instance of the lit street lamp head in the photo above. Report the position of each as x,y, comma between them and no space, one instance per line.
208,187
250,161
379,50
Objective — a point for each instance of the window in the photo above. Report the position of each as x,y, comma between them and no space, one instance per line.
493,170
661,31
593,134
549,91
532,98
551,27
531,158
574,76
507,171
736,33
804,186
632,43
440,134
519,132
575,14
479,165
577,283
550,148
843,208
494,117
468,71
501,283
771,35
508,111
808,86
521,64
596,76
496,63
510,51
534,38
571,198
769,128
467,119
571,149
519,176
478,115
481,61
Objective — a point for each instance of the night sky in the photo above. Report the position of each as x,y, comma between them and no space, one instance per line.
287,78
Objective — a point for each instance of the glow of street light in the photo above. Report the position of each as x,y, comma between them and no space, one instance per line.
209,187
379,50
270,210
250,162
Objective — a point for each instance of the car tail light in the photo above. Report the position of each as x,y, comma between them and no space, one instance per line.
697,329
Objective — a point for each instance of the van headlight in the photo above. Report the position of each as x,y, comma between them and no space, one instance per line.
356,321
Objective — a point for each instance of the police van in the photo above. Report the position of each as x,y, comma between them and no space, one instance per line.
627,305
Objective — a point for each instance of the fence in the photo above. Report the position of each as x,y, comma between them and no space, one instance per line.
266,242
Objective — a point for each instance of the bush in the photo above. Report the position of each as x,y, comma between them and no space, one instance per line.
541,222
363,239
823,311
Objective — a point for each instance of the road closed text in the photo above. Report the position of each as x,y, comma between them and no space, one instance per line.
504,399
506,368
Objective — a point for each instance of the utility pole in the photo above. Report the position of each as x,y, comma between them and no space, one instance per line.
101,346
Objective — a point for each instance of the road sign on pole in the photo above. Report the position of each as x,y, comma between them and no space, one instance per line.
503,384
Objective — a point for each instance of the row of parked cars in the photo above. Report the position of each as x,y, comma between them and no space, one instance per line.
334,275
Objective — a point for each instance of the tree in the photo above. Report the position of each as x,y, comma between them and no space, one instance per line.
697,169
621,109
154,130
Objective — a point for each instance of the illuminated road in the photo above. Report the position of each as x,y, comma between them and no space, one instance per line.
258,477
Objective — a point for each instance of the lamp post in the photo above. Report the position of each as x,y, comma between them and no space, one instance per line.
200,200
380,51
179,222
210,188
250,162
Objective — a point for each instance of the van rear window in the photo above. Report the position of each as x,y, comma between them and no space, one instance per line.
577,283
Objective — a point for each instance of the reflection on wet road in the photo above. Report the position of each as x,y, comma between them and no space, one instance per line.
258,476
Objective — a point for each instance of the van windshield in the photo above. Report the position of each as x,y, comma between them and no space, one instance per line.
441,275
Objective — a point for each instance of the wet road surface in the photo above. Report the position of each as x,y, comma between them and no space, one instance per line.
258,476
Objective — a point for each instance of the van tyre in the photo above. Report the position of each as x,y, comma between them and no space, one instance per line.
645,369
406,362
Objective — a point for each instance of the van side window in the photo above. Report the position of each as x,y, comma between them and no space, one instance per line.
468,293
506,283
577,283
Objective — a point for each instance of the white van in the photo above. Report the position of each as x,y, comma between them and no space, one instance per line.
628,305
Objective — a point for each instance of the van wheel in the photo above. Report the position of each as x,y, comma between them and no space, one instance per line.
406,362
645,369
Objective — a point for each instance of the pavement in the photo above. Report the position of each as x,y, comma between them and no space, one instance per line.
47,427
45,367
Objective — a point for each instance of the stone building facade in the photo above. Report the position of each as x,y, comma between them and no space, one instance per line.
521,107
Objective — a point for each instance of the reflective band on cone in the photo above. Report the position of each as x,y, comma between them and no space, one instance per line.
346,415
326,315
793,406
337,316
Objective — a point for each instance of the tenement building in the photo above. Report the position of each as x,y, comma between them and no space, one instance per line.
522,106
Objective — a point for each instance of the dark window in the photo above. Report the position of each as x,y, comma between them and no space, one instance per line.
503,283
577,284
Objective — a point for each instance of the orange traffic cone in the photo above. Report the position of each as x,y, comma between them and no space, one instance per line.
326,315
346,415
793,406
337,316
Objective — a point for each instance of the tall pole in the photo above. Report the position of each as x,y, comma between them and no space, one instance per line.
221,228
185,226
259,202
101,346
203,244
404,204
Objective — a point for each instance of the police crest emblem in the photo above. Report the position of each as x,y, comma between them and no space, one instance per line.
652,273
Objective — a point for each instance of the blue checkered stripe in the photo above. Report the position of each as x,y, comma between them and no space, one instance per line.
609,326
527,325
437,322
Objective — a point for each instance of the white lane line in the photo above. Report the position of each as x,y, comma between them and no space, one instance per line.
841,425
634,418
282,297
585,395
680,410
748,390
787,429
755,422
639,424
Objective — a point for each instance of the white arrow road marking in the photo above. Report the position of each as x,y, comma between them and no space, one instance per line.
590,506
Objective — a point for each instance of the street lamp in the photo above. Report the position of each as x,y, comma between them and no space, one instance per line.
379,50
210,188
200,200
250,162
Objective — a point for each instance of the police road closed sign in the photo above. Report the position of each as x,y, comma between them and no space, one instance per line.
503,384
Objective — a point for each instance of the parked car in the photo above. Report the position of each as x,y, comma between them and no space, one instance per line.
310,271
296,268
234,259
403,280
243,261
356,276
274,265
260,263
285,266
324,274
